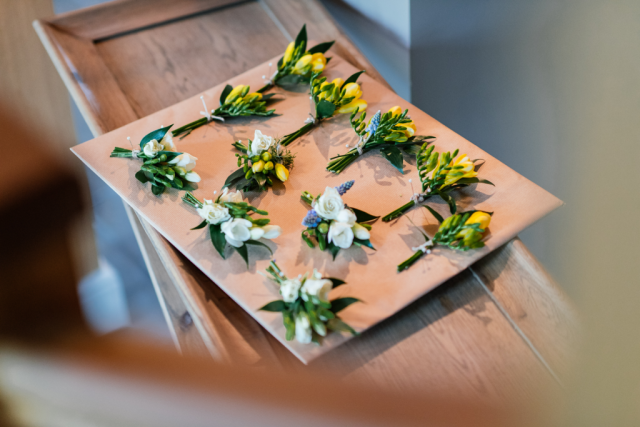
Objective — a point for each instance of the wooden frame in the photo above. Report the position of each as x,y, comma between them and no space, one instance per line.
501,328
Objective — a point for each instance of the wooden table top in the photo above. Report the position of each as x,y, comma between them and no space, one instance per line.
501,329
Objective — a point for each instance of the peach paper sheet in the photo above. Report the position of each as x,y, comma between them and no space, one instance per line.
379,188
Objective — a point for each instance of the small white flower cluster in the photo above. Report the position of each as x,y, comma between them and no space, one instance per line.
260,143
314,286
236,230
183,163
343,226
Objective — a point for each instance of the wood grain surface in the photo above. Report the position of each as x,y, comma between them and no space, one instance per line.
469,336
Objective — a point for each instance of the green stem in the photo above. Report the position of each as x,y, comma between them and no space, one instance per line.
265,87
288,139
408,262
398,212
124,153
190,126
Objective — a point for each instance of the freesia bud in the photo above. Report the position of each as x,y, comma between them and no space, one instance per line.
352,90
266,156
301,66
288,53
338,82
268,166
237,91
271,231
395,111
281,172
252,97
323,228
192,177
256,233
360,232
359,104
258,166
318,62
481,218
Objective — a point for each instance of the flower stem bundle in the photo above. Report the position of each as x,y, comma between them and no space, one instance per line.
338,96
333,224
392,132
262,160
234,102
297,64
162,166
441,174
463,231
307,313
231,221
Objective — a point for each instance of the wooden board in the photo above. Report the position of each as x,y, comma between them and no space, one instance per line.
289,15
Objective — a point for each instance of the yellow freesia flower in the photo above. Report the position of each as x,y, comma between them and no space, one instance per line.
395,111
352,89
337,82
453,175
481,218
349,108
288,53
318,62
410,128
236,91
301,65
253,96
281,172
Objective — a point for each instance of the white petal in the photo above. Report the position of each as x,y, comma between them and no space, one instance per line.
271,231
256,233
234,242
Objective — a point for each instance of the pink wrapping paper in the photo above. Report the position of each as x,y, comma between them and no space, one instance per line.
379,188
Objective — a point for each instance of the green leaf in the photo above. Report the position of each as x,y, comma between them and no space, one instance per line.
157,134
244,253
334,250
257,243
225,92
142,177
321,47
486,181
157,189
353,77
260,178
361,242
218,239
452,203
289,324
336,282
340,304
435,214
274,306
325,109
339,326
231,179
301,39
362,216
394,155
203,224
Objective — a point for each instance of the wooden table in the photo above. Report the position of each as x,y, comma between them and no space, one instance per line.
501,329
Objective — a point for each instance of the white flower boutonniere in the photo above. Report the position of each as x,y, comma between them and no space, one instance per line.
334,225
231,221
162,166
307,312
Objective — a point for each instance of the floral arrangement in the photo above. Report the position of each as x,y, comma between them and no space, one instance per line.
306,310
261,161
440,174
231,221
297,64
162,165
391,132
461,231
334,225
234,102
339,96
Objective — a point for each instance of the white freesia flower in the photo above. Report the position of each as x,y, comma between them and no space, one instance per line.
271,231
260,143
340,234
329,204
192,176
318,288
152,148
213,213
256,233
230,197
303,328
167,142
360,232
185,160
236,231
347,216
289,290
